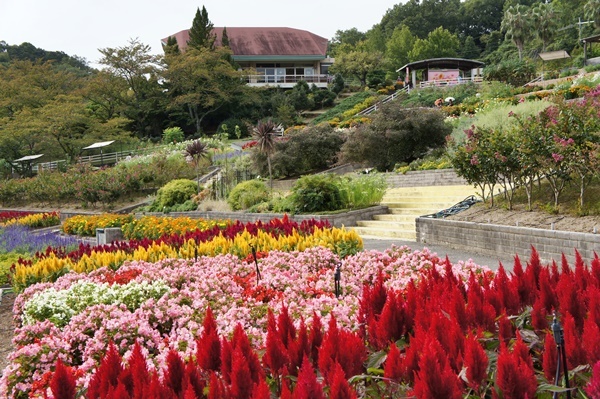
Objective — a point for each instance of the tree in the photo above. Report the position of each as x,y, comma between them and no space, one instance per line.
398,47
469,49
592,11
439,43
225,38
544,21
194,152
263,134
350,37
517,25
140,69
396,135
201,33
202,81
357,64
172,47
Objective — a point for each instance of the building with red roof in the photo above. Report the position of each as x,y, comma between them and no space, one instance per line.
275,56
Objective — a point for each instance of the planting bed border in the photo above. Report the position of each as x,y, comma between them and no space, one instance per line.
491,239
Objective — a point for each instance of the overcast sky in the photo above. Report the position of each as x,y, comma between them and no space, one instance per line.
81,27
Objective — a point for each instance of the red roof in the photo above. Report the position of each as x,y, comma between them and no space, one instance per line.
265,41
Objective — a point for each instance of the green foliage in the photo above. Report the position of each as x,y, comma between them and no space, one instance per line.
358,64
396,135
439,43
307,150
6,261
338,84
231,124
361,190
173,193
173,135
513,72
201,32
316,193
247,194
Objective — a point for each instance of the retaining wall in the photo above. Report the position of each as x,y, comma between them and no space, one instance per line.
440,177
337,220
494,240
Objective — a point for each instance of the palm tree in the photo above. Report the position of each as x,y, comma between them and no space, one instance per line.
544,19
592,11
517,24
194,152
263,134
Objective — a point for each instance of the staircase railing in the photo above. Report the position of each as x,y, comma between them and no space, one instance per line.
389,98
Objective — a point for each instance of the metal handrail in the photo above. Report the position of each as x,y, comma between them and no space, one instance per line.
454,209
389,98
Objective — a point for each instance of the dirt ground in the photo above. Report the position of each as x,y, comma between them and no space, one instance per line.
6,329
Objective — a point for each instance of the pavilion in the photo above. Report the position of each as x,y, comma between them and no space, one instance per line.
443,72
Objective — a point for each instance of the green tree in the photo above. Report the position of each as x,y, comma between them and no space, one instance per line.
399,46
171,47
225,38
469,49
544,20
357,64
201,33
201,82
592,11
517,25
396,135
350,37
439,43
140,69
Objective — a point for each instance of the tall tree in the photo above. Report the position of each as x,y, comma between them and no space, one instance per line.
201,33
225,38
592,11
140,69
398,47
517,25
264,136
439,43
544,21
345,38
171,47
357,64
202,81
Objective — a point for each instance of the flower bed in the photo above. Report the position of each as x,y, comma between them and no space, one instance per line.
29,219
236,238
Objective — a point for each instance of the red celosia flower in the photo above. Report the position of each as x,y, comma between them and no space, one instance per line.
315,338
261,391
593,294
240,340
505,329
476,362
390,326
582,274
507,296
534,266
591,341
549,357
546,293
298,348
62,384
241,379
595,270
571,300
275,356
307,386
479,313
193,380
539,317
593,386
216,389
435,378
208,353
514,377
339,388
285,326
175,372
107,375
575,352
525,285
393,365
139,372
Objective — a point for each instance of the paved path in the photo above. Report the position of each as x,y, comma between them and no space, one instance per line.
454,255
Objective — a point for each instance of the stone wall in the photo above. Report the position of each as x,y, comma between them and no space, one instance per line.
440,177
493,239
336,220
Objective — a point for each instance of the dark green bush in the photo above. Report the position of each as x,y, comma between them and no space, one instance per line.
173,193
248,193
316,193
343,106
231,123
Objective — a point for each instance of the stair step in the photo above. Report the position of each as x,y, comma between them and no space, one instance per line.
387,224
423,198
425,205
380,232
396,217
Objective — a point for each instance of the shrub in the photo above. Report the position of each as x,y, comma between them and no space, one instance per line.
247,194
231,123
343,106
173,193
173,135
316,193
396,135
307,150
362,190
514,72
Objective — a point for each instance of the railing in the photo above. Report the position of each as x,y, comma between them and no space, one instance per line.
450,82
287,79
389,98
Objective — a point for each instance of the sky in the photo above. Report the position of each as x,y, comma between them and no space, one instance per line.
81,27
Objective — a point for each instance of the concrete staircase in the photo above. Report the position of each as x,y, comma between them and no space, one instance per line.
405,205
